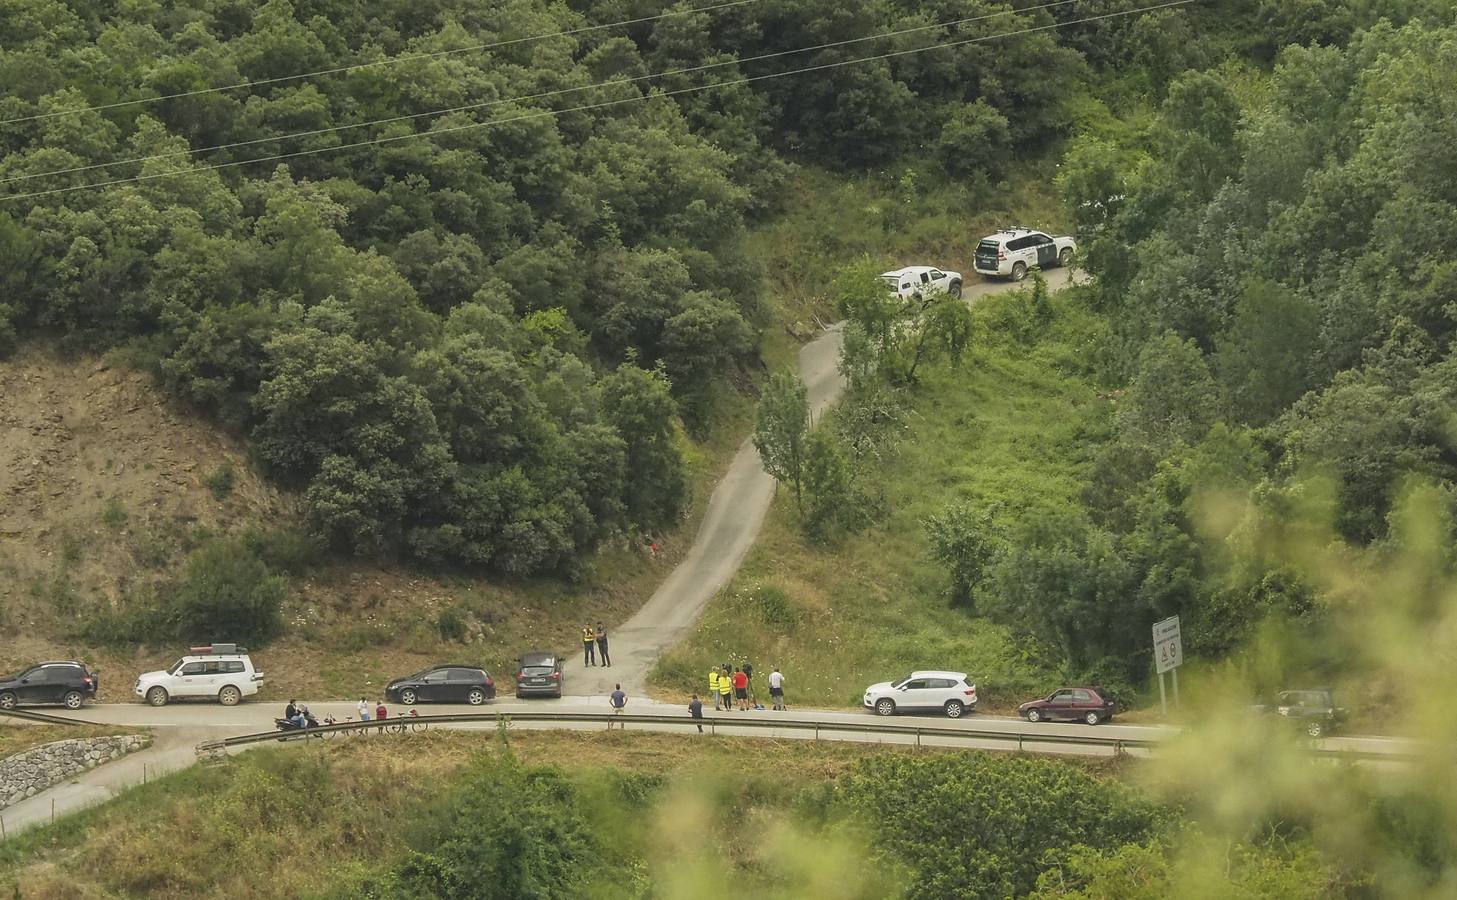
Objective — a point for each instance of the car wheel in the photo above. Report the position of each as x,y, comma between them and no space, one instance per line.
885,706
1034,715
229,696
157,696
954,709
73,699
1019,271
1065,258
955,290
7,700
1092,718
1314,729
408,697
476,697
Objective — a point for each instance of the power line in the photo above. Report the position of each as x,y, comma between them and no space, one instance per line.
540,96
591,106
381,62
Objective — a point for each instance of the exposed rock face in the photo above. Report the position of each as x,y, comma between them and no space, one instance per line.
31,771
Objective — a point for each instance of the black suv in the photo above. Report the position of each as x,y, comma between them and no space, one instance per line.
1313,711
66,681
539,673
443,684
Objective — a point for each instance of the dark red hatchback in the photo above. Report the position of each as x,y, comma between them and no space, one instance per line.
1074,704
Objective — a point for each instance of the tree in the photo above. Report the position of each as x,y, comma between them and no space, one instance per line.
781,426
1265,359
892,336
833,504
227,593
1173,397
640,406
964,540
974,140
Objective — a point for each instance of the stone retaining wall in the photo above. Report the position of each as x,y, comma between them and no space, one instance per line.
29,772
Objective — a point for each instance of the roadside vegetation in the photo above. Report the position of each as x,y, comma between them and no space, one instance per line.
628,815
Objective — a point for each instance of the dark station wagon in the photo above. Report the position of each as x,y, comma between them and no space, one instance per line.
443,684
539,674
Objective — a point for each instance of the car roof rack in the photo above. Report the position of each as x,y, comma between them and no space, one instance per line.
217,650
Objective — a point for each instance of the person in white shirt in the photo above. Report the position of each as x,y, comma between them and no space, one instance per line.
363,710
776,688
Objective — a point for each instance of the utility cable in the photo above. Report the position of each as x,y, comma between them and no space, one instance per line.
528,97
591,106
379,62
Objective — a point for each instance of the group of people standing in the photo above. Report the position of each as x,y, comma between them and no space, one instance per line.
594,643
733,687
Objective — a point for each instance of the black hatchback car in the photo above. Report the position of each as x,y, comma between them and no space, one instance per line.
65,681
539,674
443,684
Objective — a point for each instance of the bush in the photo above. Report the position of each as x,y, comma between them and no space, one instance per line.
976,825
451,624
227,593
220,482
113,514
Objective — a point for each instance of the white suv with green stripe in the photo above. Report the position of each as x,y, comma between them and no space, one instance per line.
1012,252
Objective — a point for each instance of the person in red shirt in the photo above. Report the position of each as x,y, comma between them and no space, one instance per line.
380,712
741,688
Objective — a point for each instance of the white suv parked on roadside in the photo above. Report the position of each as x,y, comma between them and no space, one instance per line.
1012,252
915,281
223,671
947,692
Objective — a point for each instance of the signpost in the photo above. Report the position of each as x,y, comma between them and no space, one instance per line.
1168,655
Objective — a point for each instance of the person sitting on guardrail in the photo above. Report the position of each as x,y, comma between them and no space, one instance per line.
619,702
380,712
695,709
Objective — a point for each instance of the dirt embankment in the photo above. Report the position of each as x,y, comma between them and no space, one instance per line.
105,485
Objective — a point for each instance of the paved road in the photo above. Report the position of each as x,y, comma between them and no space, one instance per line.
735,513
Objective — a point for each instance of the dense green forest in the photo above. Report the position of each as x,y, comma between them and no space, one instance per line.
473,346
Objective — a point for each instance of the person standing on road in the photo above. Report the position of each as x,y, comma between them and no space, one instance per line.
695,709
601,634
749,674
713,685
776,688
726,688
589,640
363,710
741,689
619,703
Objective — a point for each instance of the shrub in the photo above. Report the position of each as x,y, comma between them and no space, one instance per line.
113,514
227,593
451,624
220,482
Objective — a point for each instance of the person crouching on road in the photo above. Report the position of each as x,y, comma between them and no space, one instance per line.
601,634
695,709
589,641
713,686
726,688
619,702
741,689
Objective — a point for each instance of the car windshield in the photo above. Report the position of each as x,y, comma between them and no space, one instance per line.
177,666
537,670
896,684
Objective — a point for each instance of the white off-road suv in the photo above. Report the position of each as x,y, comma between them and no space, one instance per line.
916,281
948,692
223,671
1010,253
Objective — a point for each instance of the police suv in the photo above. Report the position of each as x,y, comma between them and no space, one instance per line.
1011,252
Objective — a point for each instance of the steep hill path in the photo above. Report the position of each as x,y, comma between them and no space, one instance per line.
731,524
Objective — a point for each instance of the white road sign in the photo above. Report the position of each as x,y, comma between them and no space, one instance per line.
1168,646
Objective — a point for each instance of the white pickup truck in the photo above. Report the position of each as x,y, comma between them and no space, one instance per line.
916,281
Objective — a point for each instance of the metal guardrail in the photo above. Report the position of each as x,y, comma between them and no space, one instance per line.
1118,745
33,716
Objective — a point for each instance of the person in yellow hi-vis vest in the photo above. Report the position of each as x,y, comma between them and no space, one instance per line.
713,685
726,688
